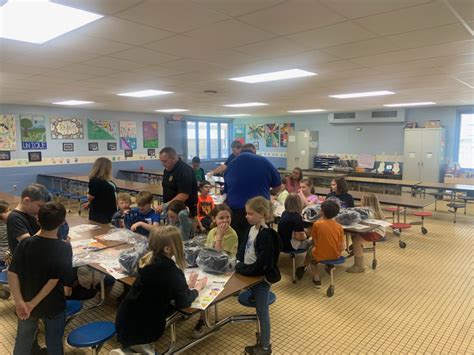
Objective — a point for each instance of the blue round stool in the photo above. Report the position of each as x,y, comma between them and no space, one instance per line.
331,265
92,335
4,294
292,254
72,307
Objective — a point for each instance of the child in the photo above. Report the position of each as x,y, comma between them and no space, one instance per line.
281,195
143,218
204,206
339,190
178,216
292,182
258,256
371,201
40,270
4,212
223,238
291,229
141,318
328,238
306,193
101,197
198,171
124,200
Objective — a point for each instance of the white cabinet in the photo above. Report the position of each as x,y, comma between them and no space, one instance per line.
302,147
424,154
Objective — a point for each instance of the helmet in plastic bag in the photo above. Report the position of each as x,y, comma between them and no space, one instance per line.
213,261
363,211
191,252
347,217
311,213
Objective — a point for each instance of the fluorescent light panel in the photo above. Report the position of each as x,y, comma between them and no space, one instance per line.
238,115
411,104
362,94
170,110
276,75
73,102
247,104
145,93
39,21
307,111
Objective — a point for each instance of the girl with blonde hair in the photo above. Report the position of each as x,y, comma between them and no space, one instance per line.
141,317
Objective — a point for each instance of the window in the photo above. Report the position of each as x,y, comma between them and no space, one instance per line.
208,140
466,141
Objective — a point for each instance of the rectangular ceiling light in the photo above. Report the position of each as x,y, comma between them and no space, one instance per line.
39,21
73,102
362,94
307,111
171,110
411,104
247,104
276,75
145,93
238,115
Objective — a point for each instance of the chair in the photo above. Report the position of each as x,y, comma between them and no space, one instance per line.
331,265
4,293
246,300
423,214
92,335
467,200
438,196
400,227
454,206
395,212
72,308
292,254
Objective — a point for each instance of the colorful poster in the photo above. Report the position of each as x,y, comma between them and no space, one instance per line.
284,130
7,132
256,131
239,133
128,135
66,128
150,134
272,135
101,129
33,132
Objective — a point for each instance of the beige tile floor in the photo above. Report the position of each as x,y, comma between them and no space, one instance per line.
419,300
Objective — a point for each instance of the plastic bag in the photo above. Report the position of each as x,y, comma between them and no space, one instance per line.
128,259
125,236
311,213
348,217
363,211
213,261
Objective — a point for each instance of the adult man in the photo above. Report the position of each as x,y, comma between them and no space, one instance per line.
179,181
236,147
248,176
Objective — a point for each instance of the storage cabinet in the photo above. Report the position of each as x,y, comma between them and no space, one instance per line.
302,147
424,154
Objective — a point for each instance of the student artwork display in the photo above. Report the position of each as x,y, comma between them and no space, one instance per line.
272,135
284,130
239,133
101,129
128,135
256,131
66,128
150,134
33,132
7,132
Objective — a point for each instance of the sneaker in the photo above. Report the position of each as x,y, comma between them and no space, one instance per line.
300,272
317,283
81,293
199,329
258,349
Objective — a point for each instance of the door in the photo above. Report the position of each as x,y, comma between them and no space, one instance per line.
412,154
430,155
175,137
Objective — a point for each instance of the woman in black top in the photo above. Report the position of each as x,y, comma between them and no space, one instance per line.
102,192
141,317
339,190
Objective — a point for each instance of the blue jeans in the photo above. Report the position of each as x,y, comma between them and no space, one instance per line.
260,293
54,331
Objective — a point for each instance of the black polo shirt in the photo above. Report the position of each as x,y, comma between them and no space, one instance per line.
181,179
19,223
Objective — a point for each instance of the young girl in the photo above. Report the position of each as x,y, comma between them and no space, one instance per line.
178,216
141,318
258,256
306,193
339,190
371,201
102,193
221,237
292,182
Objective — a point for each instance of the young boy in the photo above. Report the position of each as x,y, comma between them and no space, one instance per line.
143,218
204,206
124,200
4,212
328,238
198,171
40,270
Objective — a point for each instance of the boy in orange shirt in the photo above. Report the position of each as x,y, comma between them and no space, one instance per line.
328,238
204,206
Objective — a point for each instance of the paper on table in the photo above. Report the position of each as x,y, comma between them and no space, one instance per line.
215,285
84,228
113,268
378,222
355,226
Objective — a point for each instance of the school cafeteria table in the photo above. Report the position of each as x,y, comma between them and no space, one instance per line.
412,184
13,200
153,176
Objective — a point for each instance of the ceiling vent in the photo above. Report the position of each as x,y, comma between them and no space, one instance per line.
379,116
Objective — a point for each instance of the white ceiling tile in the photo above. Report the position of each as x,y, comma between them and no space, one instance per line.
175,16
385,58
86,44
346,32
17,68
443,50
114,63
362,48
88,69
465,8
236,8
280,19
144,56
409,19
182,46
108,7
271,48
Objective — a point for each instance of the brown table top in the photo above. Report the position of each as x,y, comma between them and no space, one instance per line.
382,181
13,200
144,171
446,186
315,173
